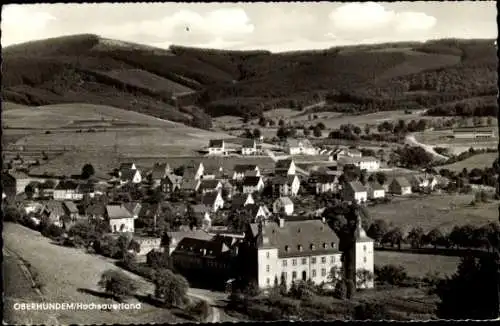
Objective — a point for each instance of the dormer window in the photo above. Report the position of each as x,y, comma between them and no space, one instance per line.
286,248
299,247
312,246
324,245
333,245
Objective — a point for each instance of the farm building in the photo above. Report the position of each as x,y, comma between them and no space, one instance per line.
473,133
299,147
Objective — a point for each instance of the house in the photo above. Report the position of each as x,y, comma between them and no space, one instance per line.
87,189
375,190
290,251
213,200
325,182
159,172
474,133
299,147
54,211
20,180
285,186
96,211
130,176
175,237
119,218
354,191
420,182
147,244
258,212
209,186
211,173
134,208
127,166
367,163
400,186
285,167
171,183
283,204
241,170
249,147
252,184
216,147
202,213
239,201
71,214
67,190
190,186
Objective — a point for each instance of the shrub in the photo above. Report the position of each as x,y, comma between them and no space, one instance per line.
51,231
340,290
171,288
200,309
118,284
370,311
391,274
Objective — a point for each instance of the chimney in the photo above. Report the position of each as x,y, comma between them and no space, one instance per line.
282,222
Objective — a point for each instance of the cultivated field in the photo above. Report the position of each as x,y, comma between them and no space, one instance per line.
70,275
479,161
444,211
417,265
442,138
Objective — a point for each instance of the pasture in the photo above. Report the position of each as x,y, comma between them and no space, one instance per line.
479,161
417,265
443,138
443,211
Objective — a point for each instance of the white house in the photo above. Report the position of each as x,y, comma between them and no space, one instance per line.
216,147
326,183
299,147
364,257
67,190
283,204
130,176
400,186
367,163
249,147
286,186
419,182
209,186
120,219
375,190
213,200
252,184
354,191
147,244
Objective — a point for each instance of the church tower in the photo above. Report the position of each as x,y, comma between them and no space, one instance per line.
364,257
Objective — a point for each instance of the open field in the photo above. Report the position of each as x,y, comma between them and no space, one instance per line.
66,270
442,138
417,265
479,161
444,211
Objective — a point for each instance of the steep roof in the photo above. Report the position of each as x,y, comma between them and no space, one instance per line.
126,166
239,199
283,180
242,168
213,247
200,209
402,181
70,206
298,238
249,143
189,184
209,198
66,185
325,178
117,212
159,171
375,186
209,184
285,201
216,143
177,236
298,142
357,186
251,181
283,164
54,207
128,174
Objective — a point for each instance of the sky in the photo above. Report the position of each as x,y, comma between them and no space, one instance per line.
243,26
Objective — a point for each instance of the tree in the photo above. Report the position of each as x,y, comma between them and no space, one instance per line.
377,230
381,177
306,132
87,171
169,287
469,293
367,129
282,133
434,237
117,284
257,133
363,277
29,190
391,274
281,123
415,237
393,237
262,121
317,132
12,214
320,126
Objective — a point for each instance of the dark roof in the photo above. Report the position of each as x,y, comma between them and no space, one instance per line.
97,209
357,186
209,198
325,178
67,185
284,164
133,207
54,207
251,181
313,236
375,186
87,187
127,174
402,181
281,180
148,210
218,143
126,166
242,168
70,206
159,171
189,184
213,247
249,143
239,199
200,209
209,184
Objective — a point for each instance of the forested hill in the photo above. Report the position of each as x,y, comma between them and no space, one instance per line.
445,76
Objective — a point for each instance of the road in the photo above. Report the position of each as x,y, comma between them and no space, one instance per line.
71,275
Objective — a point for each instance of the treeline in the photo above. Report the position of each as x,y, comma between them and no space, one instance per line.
482,106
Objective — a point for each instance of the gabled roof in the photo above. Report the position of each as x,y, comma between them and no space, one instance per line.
147,210
54,207
177,236
96,209
254,209
70,206
133,207
117,212
173,179
252,173
189,184
402,181
298,238
325,178
66,185
375,186
242,168
251,181
126,166
209,184
282,180
128,174
159,171
216,143
213,247
249,143
238,200
295,142
357,186
210,197
284,164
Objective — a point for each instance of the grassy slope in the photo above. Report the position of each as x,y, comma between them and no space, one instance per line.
86,68
479,161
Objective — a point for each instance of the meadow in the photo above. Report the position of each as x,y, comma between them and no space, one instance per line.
479,161
439,210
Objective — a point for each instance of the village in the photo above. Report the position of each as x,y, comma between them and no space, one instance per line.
210,213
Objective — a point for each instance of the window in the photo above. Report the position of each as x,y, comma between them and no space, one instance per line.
304,261
364,248
323,272
313,260
313,273
267,268
333,245
324,245
267,254
332,259
286,248
364,259
323,260
285,262
268,281
294,262
294,275
283,276
299,247
312,246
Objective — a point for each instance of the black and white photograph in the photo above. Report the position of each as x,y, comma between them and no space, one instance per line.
169,162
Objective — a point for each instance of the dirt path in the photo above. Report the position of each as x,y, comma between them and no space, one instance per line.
410,140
